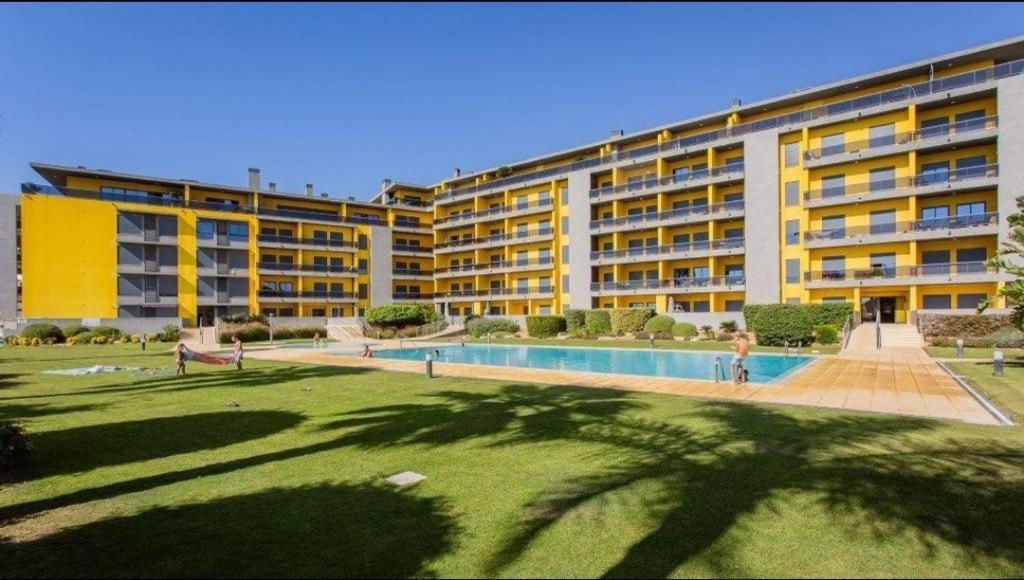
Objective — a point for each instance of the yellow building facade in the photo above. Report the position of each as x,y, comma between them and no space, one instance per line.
890,191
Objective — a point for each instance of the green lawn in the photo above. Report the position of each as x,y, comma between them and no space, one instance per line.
663,344
985,353
277,471
1006,392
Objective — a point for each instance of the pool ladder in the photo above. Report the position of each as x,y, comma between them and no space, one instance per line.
719,369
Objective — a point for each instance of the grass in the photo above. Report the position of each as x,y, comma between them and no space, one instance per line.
276,471
1006,392
983,353
705,345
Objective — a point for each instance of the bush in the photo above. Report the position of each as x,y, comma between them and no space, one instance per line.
244,318
777,324
395,315
729,326
135,338
826,334
707,331
581,333
107,331
644,335
152,337
311,331
75,329
964,325
834,313
282,333
99,340
479,327
629,319
724,337
598,322
660,323
252,332
43,330
169,333
14,446
684,330
575,319
545,326
1002,339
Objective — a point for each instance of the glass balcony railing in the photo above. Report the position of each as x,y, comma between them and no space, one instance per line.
692,247
943,132
923,225
312,268
523,263
682,283
891,96
495,238
893,272
322,242
155,199
412,296
949,177
493,212
691,210
497,292
411,272
411,249
693,178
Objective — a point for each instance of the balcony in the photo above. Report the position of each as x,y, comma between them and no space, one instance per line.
494,214
146,299
320,217
726,283
410,250
412,296
924,229
154,199
148,268
411,226
675,217
720,247
286,269
222,299
306,296
516,293
961,133
956,273
936,183
222,271
222,241
147,237
412,274
466,244
291,242
498,267
701,178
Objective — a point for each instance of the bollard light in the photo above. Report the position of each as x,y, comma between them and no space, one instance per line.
959,348
997,363
652,341
430,365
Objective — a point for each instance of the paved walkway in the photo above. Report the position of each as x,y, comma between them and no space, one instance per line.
898,380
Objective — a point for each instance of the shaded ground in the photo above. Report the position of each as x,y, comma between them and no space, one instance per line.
276,471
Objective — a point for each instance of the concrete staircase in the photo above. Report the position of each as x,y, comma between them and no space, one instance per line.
893,336
345,332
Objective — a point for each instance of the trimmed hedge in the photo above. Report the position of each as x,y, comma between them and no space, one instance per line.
1000,339
107,331
834,313
575,319
545,326
629,319
598,322
826,334
43,331
684,330
243,318
964,325
659,324
395,315
479,327
778,324
75,329
252,332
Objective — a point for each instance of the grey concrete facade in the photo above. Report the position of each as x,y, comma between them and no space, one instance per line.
1010,149
580,295
380,265
761,222
8,257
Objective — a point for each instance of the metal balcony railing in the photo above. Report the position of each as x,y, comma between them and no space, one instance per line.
949,177
920,135
411,272
499,264
498,292
412,296
410,248
155,199
922,225
676,283
690,178
692,210
314,268
703,246
269,239
495,238
891,96
886,272
493,212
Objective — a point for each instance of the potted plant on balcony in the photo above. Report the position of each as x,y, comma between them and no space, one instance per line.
503,171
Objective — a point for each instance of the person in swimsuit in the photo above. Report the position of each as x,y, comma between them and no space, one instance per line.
742,346
237,354
179,359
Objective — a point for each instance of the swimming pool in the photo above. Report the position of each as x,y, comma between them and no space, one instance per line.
651,363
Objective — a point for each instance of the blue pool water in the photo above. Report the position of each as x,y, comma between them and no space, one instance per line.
656,363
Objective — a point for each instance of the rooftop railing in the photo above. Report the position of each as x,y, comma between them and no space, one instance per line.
154,199
890,272
702,246
921,225
691,210
682,283
951,176
685,179
891,96
942,132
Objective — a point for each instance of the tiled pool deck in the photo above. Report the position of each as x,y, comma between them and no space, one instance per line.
897,380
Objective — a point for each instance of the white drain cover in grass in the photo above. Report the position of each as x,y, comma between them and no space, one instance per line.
405,479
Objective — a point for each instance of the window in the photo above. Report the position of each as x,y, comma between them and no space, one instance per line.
882,135
969,167
792,301
934,217
971,260
834,300
833,144
934,173
931,128
565,254
733,305
883,221
565,195
969,301
970,120
701,306
833,268
545,284
565,283
544,255
886,262
205,229
833,186
882,179
937,302
792,193
970,209
522,229
792,154
565,224
833,227
680,204
364,242
792,232
793,271
680,173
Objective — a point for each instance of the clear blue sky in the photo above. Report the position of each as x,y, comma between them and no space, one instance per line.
344,95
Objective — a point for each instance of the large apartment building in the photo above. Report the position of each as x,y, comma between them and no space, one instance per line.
889,190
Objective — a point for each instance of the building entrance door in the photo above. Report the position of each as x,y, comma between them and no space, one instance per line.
882,308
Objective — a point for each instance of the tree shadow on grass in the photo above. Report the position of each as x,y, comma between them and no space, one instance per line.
315,531
737,462
19,411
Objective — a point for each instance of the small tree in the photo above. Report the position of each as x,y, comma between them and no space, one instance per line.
1011,260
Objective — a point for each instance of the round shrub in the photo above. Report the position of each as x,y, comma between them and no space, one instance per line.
107,331
135,339
545,326
598,322
684,330
575,319
729,326
660,323
99,340
75,329
629,319
395,315
42,330
169,333
778,324
826,334
479,327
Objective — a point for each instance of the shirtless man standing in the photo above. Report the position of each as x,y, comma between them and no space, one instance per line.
742,346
